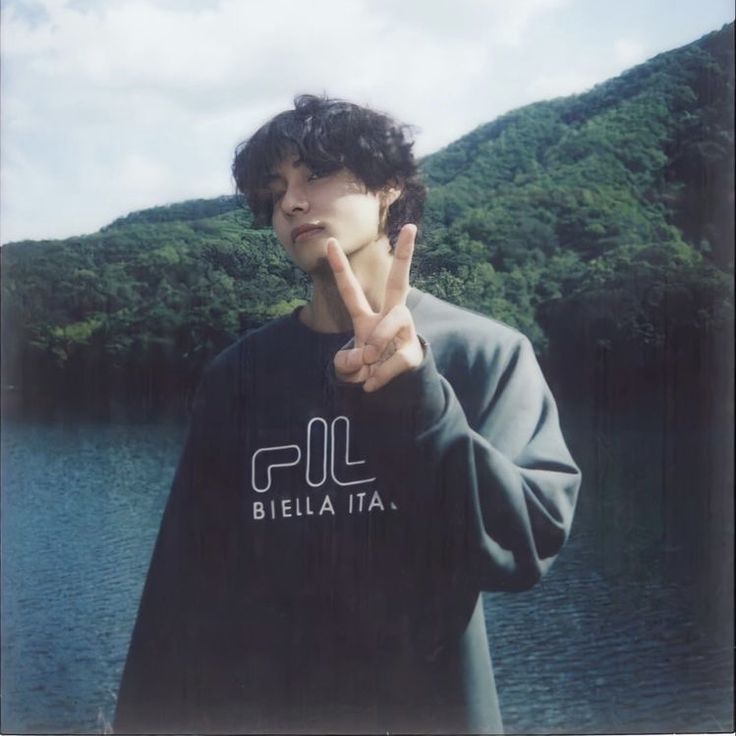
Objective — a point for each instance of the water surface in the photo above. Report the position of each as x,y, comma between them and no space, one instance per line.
611,640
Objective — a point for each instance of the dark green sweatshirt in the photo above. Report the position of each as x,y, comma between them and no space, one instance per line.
321,556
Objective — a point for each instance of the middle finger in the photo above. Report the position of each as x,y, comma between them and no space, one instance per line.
397,285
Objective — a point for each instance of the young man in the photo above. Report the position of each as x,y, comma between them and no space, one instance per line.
355,475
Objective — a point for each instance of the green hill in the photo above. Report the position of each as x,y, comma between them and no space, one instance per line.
597,222
192,209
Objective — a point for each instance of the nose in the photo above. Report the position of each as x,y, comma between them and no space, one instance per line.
294,200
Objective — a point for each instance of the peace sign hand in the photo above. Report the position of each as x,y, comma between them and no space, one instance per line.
386,342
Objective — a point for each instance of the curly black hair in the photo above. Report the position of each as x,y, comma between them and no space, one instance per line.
328,135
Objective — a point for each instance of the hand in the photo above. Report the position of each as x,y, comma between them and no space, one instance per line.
386,342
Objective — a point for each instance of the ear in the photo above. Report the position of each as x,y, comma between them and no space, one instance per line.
387,196
390,194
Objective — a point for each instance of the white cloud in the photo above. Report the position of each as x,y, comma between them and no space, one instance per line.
137,99
111,105
629,51
139,172
512,19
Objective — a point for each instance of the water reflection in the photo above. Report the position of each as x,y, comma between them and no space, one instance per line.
628,632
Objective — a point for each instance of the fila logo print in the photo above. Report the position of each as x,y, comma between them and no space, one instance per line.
327,453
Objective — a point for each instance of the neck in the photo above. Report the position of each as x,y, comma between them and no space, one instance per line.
326,311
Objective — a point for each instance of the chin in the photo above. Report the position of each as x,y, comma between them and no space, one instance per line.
319,267
309,259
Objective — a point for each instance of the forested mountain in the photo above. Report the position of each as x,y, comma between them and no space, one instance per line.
599,224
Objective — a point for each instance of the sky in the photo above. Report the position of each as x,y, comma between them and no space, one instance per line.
110,106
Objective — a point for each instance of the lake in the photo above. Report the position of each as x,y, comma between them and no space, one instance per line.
620,636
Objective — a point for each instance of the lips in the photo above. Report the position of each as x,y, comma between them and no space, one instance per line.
297,231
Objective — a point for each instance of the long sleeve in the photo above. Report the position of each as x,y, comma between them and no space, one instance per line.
175,634
498,495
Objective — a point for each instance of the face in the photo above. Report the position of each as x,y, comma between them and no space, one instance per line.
309,208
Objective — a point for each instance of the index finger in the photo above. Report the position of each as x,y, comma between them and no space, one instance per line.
348,285
397,285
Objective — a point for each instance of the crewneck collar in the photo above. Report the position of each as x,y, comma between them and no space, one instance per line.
411,301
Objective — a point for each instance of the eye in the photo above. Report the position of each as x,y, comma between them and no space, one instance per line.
318,172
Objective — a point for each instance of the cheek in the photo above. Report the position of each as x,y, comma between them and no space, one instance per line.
279,228
365,213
